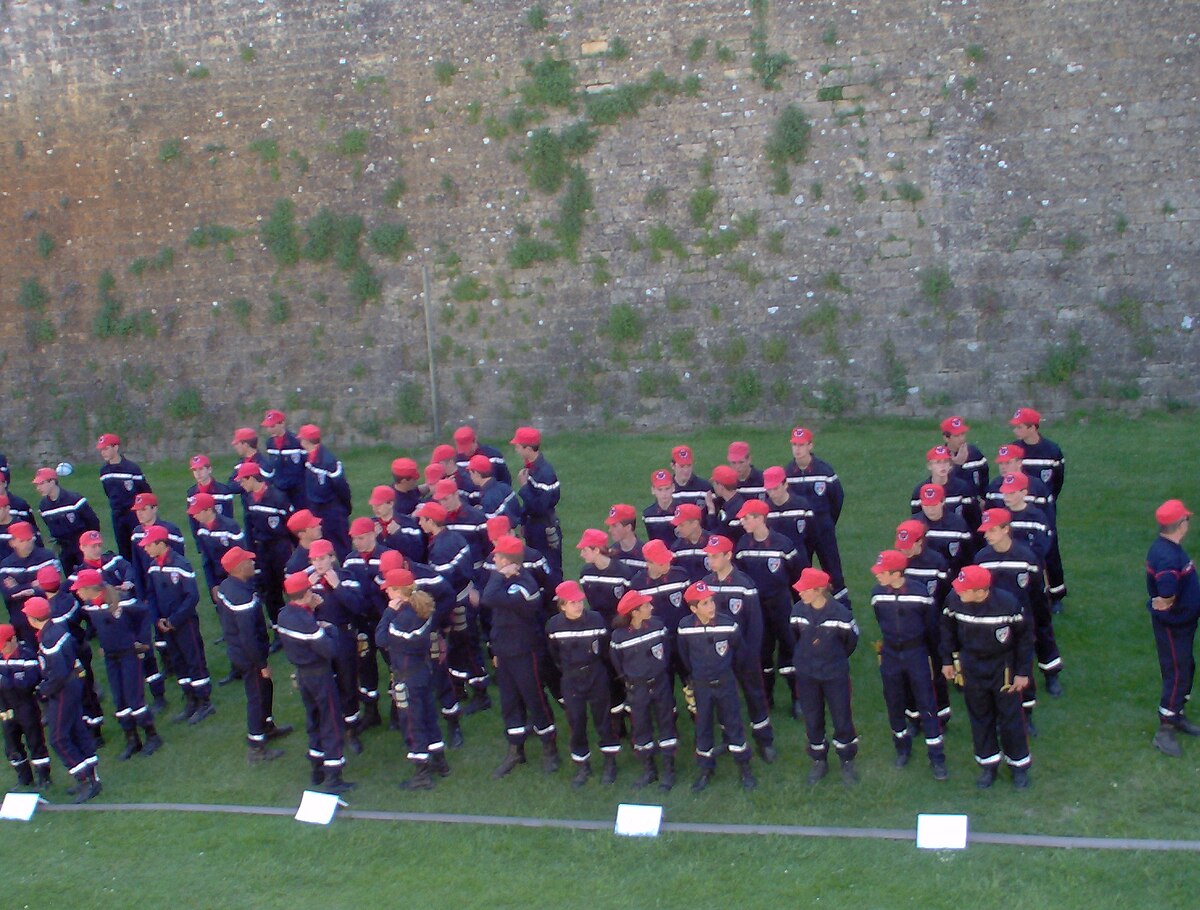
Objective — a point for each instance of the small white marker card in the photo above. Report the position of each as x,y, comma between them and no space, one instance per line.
942,832
317,808
638,821
19,806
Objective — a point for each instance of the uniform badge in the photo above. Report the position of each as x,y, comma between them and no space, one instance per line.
595,646
1046,475
735,606
774,563
129,485
819,488
71,517
273,522
932,586
1002,634
801,525
676,598
1023,579
321,479
722,647
295,458
954,548
656,651
174,578
618,591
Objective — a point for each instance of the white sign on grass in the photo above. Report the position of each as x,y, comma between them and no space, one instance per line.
19,806
638,821
942,832
317,808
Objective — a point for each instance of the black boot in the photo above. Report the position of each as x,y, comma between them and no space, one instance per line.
275,731
749,782
189,708
609,775
394,718
849,773
583,770
550,760
649,771
820,768
353,744
24,775
438,764
43,777
318,773
987,777
479,702
514,757
454,728
153,740
334,783
159,705
370,714
89,787
667,780
1166,742
702,779
204,708
133,745
231,676
421,780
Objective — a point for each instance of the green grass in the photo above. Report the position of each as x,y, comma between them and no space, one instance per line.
1095,773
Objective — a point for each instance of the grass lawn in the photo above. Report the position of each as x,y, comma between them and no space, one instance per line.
1094,771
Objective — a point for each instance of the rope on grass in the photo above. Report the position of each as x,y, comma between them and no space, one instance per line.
582,824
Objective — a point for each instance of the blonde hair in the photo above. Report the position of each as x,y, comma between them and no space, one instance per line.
422,604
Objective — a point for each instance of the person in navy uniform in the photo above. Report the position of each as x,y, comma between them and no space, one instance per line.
826,636
406,478
117,618
66,514
517,643
959,495
216,535
817,482
66,610
723,503
787,513
749,478
172,599
326,490
690,539
269,520
397,530
578,641
467,446
145,507
1173,601
224,495
657,516
946,532
710,644
969,463
404,633
496,496
622,530
12,510
1044,460
928,568
20,713
540,492
61,688
121,480
18,574
641,653
902,607
342,604
664,583
689,488
310,647
286,456
993,637
245,631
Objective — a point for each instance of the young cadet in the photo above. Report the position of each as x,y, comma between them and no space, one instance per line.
578,641
946,532
246,642
65,610
117,618
737,596
467,446
816,482
749,478
145,507
826,636
445,457
990,632
688,487
959,496
18,574
902,608
405,634
1044,460
539,491
310,647
363,566
787,513
723,503
326,490
464,518
172,597
1173,602
641,649
622,530
517,645
287,458
66,514
657,516
689,542
664,583
19,509
396,530
341,605
496,496
224,495
1015,568
604,581
268,522
62,690
969,463
1010,459
121,480
1030,524
929,569
20,713
215,535
406,478
710,644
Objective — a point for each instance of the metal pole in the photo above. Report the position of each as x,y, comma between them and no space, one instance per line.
433,395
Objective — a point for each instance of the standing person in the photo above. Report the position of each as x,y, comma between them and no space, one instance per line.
223,494
604,581
341,605
991,634
970,464
622,529
215,535
245,447
1044,460
117,618
24,739
62,691
723,503
145,507
946,532
517,646
1174,606
405,632
309,645
902,608
826,636
689,488
468,446
539,491
66,610
268,523
326,490
406,477
710,644
578,641
363,565
689,542
396,530
929,569
749,478
817,482
66,514
496,496
172,599
664,583
788,514
246,643
657,515
959,496
286,456
19,509
641,653
18,575
121,480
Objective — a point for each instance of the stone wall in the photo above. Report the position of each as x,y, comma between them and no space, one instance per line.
997,203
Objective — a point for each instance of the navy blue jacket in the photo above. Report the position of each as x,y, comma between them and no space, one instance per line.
286,457
709,652
903,614
242,624
122,482
1170,573
67,517
325,486
309,646
982,633
516,605
737,596
171,590
825,639
818,485
117,629
215,542
540,492
639,655
56,659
